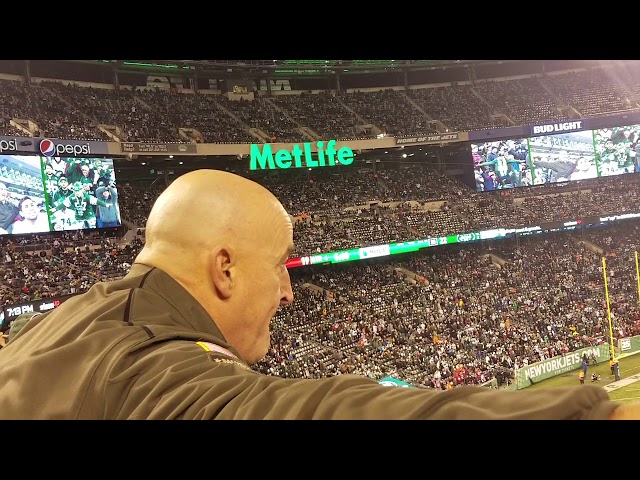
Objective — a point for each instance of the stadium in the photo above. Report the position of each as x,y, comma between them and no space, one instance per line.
456,223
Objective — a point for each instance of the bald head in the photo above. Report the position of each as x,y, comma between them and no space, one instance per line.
225,239
201,207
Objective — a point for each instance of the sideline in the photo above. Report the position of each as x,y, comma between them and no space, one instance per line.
623,382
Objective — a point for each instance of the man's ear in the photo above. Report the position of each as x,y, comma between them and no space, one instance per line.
222,262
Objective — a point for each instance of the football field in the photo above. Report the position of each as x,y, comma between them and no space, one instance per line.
626,390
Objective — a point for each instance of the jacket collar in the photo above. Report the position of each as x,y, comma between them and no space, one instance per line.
191,314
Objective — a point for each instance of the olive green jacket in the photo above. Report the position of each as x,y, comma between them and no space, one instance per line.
143,348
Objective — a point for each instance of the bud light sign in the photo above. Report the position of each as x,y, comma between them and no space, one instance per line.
556,127
50,149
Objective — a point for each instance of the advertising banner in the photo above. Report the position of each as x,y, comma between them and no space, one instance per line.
592,123
628,345
432,138
141,147
551,367
52,147
11,312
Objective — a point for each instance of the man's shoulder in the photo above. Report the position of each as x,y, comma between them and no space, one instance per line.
112,291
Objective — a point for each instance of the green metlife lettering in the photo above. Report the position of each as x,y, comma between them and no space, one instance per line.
299,157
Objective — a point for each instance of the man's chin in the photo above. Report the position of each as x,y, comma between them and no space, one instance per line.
260,351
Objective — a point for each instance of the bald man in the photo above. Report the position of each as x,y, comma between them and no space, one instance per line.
176,337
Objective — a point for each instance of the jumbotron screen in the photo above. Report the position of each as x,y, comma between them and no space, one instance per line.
45,194
556,158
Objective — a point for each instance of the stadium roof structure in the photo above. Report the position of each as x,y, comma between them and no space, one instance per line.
288,67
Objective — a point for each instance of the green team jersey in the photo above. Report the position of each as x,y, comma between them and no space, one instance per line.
73,172
57,200
86,180
104,172
82,205
500,165
608,155
609,161
624,157
51,183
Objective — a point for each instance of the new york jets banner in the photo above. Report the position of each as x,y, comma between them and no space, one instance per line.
552,367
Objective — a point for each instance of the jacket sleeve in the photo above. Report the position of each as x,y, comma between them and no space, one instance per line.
180,380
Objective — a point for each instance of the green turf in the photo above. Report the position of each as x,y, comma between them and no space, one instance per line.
628,366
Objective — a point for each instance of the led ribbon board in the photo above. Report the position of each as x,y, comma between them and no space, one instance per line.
385,250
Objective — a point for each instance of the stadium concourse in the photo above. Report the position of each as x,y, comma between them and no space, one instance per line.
436,318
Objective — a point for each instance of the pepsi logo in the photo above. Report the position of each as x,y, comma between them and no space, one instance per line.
47,147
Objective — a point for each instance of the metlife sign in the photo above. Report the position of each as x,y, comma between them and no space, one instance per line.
551,128
51,147
325,156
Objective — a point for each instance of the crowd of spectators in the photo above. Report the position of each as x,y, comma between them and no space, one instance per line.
61,263
157,115
390,110
52,114
263,115
201,113
136,199
119,108
588,91
7,129
525,101
355,208
436,318
461,319
629,74
457,107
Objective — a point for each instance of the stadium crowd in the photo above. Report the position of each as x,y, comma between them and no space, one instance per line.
436,318
464,314
328,218
66,110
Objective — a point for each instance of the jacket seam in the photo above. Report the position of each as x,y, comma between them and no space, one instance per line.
93,374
